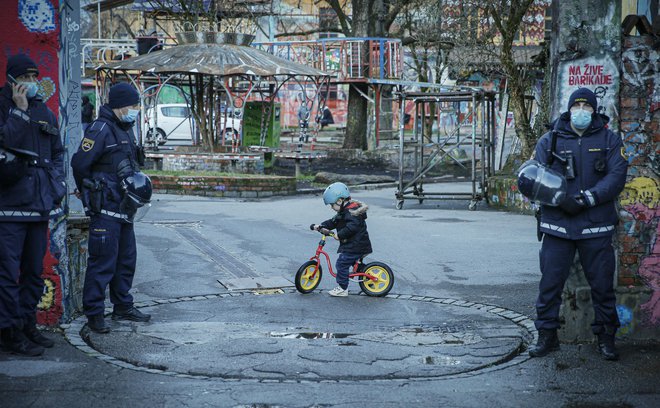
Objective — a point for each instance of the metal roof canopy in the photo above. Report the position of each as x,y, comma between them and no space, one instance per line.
211,55
201,55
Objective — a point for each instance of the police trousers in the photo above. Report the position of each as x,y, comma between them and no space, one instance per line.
112,259
598,262
22,250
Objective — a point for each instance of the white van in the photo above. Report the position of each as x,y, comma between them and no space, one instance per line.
176,125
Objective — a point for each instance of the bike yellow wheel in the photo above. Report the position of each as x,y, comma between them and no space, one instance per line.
383,283
308,277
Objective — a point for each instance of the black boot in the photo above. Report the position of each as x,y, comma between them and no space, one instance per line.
130,313
35,336
606,347
15,341
548,341
97,324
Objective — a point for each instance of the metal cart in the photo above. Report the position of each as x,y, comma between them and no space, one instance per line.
429,150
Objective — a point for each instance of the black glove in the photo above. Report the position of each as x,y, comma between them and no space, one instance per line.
325,231
573,205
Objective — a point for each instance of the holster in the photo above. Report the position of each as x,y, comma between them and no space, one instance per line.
92,195
141,156
537,215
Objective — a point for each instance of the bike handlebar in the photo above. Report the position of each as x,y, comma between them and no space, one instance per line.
323,231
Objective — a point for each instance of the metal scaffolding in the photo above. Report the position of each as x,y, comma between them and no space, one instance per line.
428,150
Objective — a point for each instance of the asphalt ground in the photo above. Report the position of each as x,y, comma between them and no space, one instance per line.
452,332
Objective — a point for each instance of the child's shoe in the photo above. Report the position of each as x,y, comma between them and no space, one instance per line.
339,292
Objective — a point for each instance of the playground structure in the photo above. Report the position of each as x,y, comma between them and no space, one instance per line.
221,71
349,61
440,115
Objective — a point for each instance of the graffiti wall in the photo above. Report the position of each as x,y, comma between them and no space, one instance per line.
601,75
31,27
48,31
639,246
587,54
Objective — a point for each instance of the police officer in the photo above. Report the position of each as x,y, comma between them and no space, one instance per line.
31,187
592,160
105,169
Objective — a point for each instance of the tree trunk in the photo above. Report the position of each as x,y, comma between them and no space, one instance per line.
517,87
356,121
521,120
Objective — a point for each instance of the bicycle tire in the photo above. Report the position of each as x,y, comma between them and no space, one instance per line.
303,282
382,285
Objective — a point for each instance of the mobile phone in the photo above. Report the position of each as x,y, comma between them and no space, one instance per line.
12,80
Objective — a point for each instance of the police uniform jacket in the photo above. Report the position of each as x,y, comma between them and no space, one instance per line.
350,223
39,193
600,175
106,143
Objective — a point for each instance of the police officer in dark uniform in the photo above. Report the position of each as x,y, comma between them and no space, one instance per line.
106,171
592,160
31,188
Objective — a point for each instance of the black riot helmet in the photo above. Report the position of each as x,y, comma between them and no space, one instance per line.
541,184
138,188
14,164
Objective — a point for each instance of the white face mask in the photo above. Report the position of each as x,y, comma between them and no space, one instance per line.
130,116
32,89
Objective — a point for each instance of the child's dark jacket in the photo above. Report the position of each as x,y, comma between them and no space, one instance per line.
351,227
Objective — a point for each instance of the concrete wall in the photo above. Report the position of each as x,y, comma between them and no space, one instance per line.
217,186
248,163
585,52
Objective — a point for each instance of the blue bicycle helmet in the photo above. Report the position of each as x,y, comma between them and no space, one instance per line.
334,192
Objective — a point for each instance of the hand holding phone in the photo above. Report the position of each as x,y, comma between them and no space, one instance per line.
19,93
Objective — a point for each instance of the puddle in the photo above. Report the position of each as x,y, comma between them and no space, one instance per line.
309,335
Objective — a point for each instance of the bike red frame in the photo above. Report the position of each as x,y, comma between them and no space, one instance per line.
317,258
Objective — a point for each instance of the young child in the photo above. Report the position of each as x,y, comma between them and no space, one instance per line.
351,232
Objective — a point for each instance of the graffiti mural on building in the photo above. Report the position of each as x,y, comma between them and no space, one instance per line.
31,27
639,246
640,67
49,309
641,199
598,74
38,16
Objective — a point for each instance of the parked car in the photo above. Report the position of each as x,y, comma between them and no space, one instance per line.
176,124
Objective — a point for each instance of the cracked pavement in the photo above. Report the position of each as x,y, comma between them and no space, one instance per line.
450,334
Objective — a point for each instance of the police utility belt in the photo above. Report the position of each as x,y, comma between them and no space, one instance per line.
93,197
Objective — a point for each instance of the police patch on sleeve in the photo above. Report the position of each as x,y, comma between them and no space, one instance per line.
623,153
87,145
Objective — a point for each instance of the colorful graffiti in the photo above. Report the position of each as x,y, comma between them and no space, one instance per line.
641,199
638,243
625,318
49,309
641,65
34,31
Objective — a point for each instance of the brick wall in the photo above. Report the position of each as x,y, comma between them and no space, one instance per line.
638,245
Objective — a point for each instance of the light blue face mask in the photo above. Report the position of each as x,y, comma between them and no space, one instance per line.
580,118
130,116
32,89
